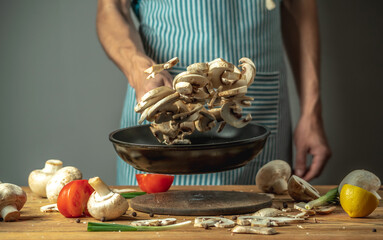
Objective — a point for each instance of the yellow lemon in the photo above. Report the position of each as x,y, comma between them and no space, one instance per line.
356,201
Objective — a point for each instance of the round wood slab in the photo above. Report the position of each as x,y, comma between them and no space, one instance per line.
200,203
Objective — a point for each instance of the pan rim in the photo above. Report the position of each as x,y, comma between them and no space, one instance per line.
187,146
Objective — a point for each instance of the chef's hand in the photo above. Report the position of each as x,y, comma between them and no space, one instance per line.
137,77
309,138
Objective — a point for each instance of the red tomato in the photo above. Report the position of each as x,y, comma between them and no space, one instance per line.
73,198
154,183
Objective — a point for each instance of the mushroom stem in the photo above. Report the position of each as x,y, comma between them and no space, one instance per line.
99,186
10,213
52,165
280,186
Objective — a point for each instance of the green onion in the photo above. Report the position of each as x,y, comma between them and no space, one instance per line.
109,227
132,194
330,197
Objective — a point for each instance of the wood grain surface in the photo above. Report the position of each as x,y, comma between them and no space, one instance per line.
338,225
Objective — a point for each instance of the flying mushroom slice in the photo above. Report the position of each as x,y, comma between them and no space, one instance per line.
184,88
198,68
157,68
189,115
167,114
152,97
248,70
216,69
196,80
165,132
229,78
232,118
243,101
162,105
205,122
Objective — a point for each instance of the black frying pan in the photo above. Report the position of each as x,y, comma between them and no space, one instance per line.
209,152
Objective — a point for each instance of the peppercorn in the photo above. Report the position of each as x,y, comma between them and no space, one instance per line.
374,230
103,219
134,214
285,205
151,215
206,226
78,220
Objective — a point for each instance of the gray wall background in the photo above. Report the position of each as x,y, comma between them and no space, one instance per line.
60,96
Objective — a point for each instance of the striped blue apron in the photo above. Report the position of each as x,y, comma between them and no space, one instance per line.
200,31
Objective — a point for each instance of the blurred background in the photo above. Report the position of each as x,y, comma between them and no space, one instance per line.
60,96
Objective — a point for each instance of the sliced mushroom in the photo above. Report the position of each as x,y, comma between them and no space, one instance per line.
49,208
261,223
248,70
239,91
232,119
196,80
273,176
325,209
246,220
254,230
216,68
152,97
184,88
268,212
188,115
162,105
154,222
300,190
301,207
229,78
157,68
220,222
205,122
198,68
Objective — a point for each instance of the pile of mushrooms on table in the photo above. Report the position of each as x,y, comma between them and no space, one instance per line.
204,95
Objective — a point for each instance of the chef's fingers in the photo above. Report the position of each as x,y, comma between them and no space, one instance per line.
316,167
300,161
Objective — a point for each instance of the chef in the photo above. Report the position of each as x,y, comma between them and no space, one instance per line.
202,30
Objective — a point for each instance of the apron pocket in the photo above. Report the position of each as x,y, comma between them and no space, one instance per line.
265,108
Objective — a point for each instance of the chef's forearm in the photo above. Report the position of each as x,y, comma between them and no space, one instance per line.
301,37
119,37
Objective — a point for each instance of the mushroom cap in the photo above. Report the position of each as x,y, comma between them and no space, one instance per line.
11,194
364,179
271,175
110,206
59,180
300,190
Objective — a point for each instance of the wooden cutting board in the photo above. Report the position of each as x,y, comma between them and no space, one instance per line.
200,203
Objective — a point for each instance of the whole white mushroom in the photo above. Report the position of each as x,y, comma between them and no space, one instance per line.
104,203
12,199
39,178
59,180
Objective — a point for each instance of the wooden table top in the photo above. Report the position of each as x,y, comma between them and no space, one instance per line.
34,224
